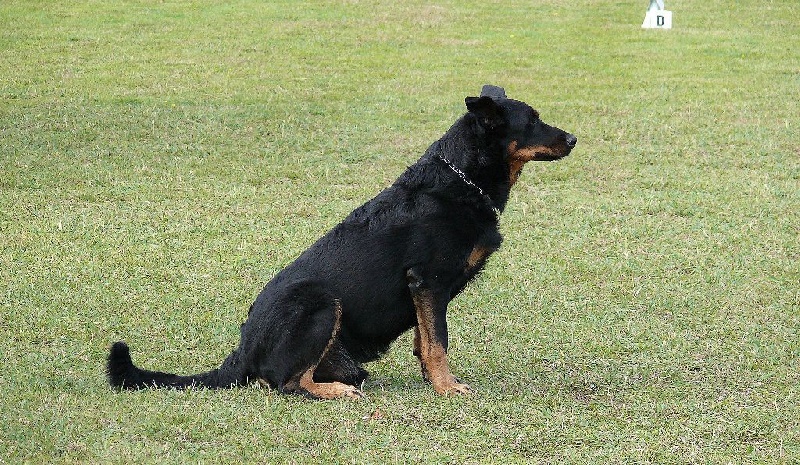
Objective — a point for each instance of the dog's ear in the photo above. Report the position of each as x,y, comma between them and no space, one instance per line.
493,91
486,110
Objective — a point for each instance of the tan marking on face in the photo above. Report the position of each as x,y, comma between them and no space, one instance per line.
517,157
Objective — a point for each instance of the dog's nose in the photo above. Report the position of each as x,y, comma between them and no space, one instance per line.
571,140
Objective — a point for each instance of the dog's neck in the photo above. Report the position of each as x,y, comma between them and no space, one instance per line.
467,181
461,174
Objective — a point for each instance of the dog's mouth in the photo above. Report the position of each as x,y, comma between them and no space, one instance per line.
517,157
552,155
539,153
558,152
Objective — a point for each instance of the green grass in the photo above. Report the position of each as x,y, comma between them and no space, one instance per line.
160,161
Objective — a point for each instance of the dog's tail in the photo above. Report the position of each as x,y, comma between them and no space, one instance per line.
123,374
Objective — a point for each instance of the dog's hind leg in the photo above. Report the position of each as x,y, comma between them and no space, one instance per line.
338,365
303,382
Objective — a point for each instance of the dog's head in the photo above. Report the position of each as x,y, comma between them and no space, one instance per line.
518,128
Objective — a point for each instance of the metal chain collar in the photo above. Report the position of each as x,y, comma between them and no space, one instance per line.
464,178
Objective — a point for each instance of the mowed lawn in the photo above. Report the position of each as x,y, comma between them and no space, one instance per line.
161,160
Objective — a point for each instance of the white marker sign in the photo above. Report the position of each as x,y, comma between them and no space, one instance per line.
657,17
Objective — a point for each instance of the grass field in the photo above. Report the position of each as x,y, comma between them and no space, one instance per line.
160,161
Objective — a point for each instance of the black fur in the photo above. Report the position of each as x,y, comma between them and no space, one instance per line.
426,225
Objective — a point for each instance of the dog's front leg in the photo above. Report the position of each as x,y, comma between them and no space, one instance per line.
418,353
430,336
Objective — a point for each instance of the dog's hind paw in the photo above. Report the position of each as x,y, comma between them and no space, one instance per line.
334,390
353,392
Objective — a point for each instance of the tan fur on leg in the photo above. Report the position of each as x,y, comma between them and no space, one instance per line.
432,354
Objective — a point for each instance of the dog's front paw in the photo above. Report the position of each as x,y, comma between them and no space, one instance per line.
453,388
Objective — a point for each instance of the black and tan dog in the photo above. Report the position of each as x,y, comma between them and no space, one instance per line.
393,264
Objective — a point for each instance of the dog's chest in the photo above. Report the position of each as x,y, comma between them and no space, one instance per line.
478,255
482,249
